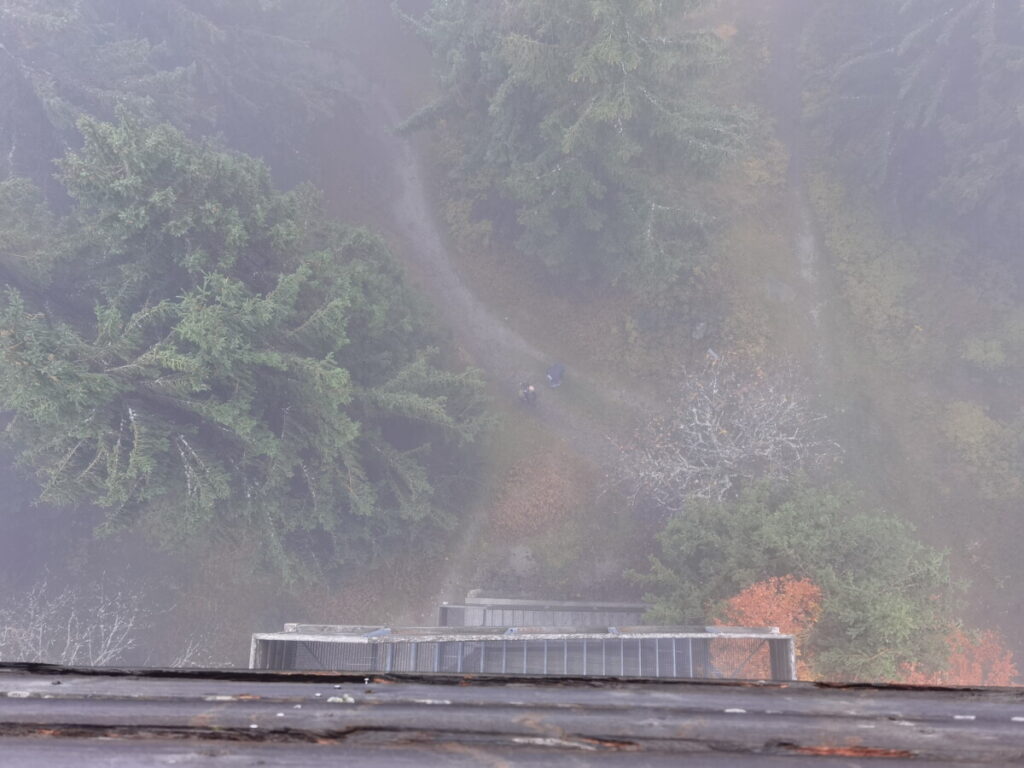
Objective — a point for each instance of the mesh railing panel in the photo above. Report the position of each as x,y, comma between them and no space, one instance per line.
682,657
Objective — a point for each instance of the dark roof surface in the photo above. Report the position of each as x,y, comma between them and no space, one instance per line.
53,716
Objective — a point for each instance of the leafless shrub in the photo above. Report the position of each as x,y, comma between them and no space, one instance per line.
197,653
72,627
725,426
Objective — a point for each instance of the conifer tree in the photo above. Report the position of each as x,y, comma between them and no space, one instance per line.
194,352
569,111
248,70
924,96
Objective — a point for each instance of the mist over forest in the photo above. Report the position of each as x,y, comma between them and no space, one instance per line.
277,273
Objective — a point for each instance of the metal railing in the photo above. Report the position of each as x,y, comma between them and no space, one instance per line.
661,653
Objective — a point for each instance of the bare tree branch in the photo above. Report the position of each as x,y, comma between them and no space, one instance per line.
725,426
72,627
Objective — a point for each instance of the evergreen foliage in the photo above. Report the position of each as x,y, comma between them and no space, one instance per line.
885,596
924,98
193,350
568,113
246,69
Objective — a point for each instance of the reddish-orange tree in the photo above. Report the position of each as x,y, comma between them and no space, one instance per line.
793,605
975,658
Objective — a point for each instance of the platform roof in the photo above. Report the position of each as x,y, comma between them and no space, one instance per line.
130,717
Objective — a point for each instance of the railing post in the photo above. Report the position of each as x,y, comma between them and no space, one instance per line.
782,655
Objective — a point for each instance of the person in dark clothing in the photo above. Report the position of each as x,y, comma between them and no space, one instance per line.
555,374
527,393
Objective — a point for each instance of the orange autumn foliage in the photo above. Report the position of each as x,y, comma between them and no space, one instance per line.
793,605
790,604
978,658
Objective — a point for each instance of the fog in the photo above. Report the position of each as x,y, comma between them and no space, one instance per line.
279,277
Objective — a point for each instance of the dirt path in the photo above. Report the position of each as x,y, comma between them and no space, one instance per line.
583,414
505,356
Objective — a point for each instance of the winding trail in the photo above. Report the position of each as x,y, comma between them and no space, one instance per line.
585,424
495,347
504,355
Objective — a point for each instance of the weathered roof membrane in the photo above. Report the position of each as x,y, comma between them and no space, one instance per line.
109,717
